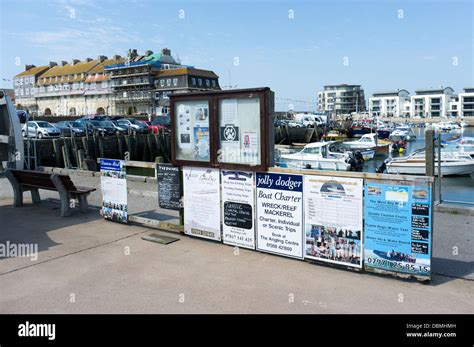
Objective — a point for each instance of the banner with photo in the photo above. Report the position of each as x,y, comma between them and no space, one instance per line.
202,202
238,204
113,182
280,214
333,219
398,228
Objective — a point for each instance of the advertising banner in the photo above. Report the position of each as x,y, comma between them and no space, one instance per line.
169,186
202,202
113,182
333,219
238,203
280,214
397,230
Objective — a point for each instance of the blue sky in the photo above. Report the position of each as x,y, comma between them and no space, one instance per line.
293,47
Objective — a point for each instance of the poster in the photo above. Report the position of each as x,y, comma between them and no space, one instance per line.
202,202
113,183
398,228
169,186
192,130
238,206
333,219
280,214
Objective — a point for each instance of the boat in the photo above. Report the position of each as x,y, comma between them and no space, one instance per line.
11,141
446,126
384,133
452,163
402,133
461,144
463,124
317,156
360,128
334,135
369,141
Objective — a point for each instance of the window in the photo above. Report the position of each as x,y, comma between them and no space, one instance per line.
162,83
208,83
32,79
199,82
175,82
193,81
213,83
192,130
168,82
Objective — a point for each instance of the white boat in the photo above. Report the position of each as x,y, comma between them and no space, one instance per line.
368,141
402,133
463,124
446,126
317,156
11,141
452,163
462,145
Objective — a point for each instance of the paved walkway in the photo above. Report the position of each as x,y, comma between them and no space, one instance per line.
89,265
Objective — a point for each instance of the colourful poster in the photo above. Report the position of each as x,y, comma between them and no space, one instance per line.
201,143
113,182
280,214
397,228
333,219
202,202
238,208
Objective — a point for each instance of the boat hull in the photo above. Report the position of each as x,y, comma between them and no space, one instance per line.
420,168
314,164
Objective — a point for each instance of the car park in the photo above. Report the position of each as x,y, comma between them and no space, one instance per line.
68,129
40,130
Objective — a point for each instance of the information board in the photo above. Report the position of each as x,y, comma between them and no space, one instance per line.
238,205
280,214
202,202
113,183
169,186
398,228
333,219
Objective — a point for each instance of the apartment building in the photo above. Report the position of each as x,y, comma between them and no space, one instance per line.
25,87
389,103
431,103
341,99
466,102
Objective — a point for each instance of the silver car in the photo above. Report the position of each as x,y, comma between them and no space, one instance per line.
40,130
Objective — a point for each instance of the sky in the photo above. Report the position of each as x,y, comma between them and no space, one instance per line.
293,47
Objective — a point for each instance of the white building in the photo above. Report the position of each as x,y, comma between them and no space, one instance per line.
341,99
466,102
431,103
389,103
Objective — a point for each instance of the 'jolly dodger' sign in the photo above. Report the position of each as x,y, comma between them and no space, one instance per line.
280,214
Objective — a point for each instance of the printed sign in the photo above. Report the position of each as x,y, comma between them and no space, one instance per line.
202,202
398,228
238,198
113,183
169,186
333,219
280,214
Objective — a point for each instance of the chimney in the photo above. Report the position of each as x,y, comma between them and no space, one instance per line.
27,67
148,52
75,61
52,63
89,59
101,58
132,53
117,57
63,63
166,51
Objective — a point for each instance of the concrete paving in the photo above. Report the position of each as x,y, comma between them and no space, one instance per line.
89,265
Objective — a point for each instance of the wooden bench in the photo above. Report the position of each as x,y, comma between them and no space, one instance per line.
23,180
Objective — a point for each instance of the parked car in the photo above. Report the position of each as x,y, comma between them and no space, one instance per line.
82,124
280,122
67,128
295,124
118,129
100,128
40,130
134,125
160,122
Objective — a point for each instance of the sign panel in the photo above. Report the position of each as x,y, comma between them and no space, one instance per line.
280,214
333,219
238,199
113,182
398,228
202,202
169,186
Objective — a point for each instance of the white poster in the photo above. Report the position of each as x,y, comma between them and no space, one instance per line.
238,206
113,183
202,202
280,214
333,219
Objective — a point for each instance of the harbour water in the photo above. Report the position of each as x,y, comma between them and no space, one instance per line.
456,188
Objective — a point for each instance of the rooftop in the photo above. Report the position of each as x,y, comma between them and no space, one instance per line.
33,71
187,71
